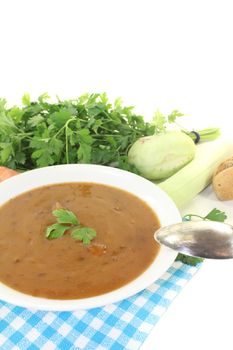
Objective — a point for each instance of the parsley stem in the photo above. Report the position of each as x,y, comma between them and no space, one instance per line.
67,148
64,127
67,141
104,128
189,216
67,144
101,136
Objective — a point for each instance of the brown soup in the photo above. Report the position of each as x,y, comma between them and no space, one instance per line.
65,268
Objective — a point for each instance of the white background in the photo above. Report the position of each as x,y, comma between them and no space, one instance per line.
154,54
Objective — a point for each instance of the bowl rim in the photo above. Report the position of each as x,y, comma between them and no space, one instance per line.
146,190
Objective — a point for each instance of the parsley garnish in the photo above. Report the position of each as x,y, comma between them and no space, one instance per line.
65,216
67,220
84,234
214,215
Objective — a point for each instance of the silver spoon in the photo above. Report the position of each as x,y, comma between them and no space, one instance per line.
204,239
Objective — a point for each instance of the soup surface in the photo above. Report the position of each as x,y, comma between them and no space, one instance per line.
65,268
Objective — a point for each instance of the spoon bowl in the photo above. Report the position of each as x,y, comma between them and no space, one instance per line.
204,239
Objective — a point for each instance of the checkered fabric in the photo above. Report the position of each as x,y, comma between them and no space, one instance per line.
124,325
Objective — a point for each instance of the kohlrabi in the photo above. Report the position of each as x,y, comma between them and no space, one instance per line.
159,156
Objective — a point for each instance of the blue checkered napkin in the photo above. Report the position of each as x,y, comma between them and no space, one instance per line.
124,325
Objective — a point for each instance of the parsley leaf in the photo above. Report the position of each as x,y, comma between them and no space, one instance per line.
159,121
85,142
26,99
174,114
5,152
42,98
61,117
56,231
84,153
84,234
216,215
65,216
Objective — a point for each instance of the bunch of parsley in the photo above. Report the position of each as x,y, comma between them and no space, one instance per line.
88,129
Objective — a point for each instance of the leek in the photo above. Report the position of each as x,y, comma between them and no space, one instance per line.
184,185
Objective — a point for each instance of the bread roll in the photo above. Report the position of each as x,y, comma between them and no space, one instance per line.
223,180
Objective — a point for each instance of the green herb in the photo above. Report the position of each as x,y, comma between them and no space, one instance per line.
161,123
84,234
88,129
189,260
64,216
214,215
56,231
